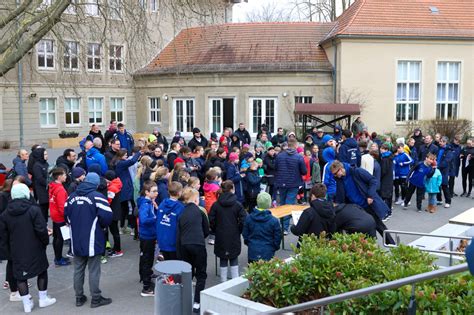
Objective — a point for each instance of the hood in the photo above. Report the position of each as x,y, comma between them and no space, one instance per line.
63,160
351,143
169,206
308,137
338,127
38,154
85,188
17,160
261,215
227,199
94,168
329,154
323,208
291,151
142,200
92,151
18,206
210,186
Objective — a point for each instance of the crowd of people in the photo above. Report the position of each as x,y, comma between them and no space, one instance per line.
171,197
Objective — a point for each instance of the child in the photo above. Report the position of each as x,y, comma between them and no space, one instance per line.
192,230
315,167
167,217
416,179
161,179
194,183
210,188
401,163
114,186
386,176
226,221
262,231
233,174
307,177
57,199
432,188
252,184
270,170
146,222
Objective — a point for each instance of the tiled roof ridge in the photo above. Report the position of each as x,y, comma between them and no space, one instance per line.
357,10
256,23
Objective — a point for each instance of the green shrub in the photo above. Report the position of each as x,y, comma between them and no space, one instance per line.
349,262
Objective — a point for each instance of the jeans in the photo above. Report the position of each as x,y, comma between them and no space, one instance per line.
287,197
147,254
432,199
80,264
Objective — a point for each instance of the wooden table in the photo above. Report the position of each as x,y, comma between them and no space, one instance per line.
465,218
281,212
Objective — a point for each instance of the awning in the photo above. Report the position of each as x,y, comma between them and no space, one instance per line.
327,109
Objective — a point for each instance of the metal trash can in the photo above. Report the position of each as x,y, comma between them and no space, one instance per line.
173,290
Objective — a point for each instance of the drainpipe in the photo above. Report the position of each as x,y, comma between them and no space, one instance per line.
334,73
20,91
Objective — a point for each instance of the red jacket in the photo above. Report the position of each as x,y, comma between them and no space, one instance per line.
307,162
113,188
57,199
210,194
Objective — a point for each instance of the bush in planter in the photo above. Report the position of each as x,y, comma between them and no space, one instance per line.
348,262
68,134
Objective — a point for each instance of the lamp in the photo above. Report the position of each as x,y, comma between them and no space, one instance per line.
32,95
165,97
285,94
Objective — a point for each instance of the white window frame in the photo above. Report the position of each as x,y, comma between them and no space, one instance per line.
45,54
407,82
211,114
113,58
185,101
94,56
264,114
447,82
154,5
157,110
142,4
72,8
303,100
94,110
71,111
48,111
67,54
92,8
113,109
115,9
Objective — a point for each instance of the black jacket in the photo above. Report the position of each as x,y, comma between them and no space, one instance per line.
193,143
162,139
319,217
40,177
170,158
216,162
269,168
109,156
277,139
386,176
101,137
24,235
67,166
243,135
226,220
193,227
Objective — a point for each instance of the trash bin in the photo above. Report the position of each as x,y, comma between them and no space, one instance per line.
173,290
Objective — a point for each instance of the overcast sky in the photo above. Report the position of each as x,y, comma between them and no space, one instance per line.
240,10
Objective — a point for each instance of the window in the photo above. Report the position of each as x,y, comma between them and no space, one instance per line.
72,111
154,111
116,109
154,5
263,111
45,52
142,4
47,112
96,110
93,57
115,58
447,90
72,8
408,90
92,7
115,9
303,100
71,52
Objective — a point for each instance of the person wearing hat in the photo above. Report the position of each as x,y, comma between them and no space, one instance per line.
178,138
78,174
197,140
152,139
24,236
160,139
87,213
233,174
318,135
261,232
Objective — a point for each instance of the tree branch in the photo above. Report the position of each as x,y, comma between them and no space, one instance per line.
15,13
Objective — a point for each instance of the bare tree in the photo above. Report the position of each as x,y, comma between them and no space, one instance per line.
320,10
269,12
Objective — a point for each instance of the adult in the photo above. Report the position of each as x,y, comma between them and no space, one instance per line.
279,138
317,135
178,138
126,139
357,126
109,134
173,155
455,165
31,159
349,150
337,133
264,129
197,140
67,162
243,134
418,137
23,232
467,168
111,152
160,139
96,133
444,160
263,140
93,156
40,180
290,168
353,219
88,213
20,167
157,155
427,147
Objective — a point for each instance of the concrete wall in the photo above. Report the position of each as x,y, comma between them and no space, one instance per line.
240,86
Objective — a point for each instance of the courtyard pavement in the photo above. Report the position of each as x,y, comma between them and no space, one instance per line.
119,279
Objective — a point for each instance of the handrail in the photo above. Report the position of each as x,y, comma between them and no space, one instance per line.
373,289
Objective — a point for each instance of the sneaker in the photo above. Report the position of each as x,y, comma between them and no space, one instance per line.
463,194
121,231
6,285
409,203
116,254
439,203
15,297
386,218
160,257
447,205
132,233
286,233
62,262
196,308
147,293
70,255
418,210
399,202
27,307
107,245
103,260
81,300
47,301
468,195
211,241
100,302
455,195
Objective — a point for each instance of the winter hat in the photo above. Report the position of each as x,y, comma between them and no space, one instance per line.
246,145
258,145
94,168
299,149
214,136
110,175
264,201
327,138
291,134
20,191
178,160
92,178
177,134
400,140
233,157
152,138
258,160
78,172
196,130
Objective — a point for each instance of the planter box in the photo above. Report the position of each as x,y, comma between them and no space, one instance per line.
225,298
64,143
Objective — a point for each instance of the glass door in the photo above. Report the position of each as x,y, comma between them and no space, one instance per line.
216,120
184,116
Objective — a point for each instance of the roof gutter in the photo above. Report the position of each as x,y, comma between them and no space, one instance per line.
334,72
399,37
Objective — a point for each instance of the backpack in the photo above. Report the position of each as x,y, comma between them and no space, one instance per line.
11,174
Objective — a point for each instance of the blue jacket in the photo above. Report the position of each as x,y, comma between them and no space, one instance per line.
252,182
121,169
168,215
444,160
233,174
126,141
290,168
162,190
377,173
424,150
93,156
456,161
329,155
337,134
146,219
20,169
401,163
88,213
262,235
418,173
432,184
349,152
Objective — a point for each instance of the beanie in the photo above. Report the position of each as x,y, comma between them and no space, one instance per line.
20,191
152,138
196,130
299,149
246,145
78,172
233,156
258,160
327,138
92,178
178,160
264,201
